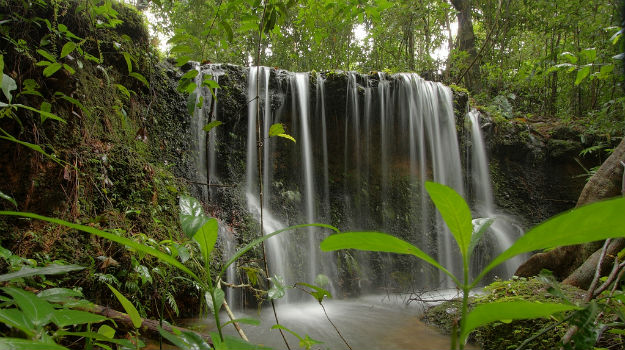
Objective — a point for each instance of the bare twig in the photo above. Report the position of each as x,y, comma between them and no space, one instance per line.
336,329
235,324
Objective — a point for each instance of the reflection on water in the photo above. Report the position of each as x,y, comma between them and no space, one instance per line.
374,322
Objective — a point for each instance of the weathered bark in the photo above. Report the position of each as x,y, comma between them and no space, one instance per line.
576,264
583,275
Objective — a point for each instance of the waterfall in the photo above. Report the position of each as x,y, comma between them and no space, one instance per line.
503,228
360,163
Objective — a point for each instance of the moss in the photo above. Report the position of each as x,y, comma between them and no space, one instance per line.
508,335
458,89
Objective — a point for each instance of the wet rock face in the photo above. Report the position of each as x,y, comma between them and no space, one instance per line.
537,175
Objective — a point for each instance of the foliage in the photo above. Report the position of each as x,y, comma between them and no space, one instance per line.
586,224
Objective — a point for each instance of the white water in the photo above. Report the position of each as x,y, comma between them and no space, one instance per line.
361,170
503,230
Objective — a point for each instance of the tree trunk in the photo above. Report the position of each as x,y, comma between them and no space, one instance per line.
576,264
466,42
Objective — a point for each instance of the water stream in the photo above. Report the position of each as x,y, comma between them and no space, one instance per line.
360,163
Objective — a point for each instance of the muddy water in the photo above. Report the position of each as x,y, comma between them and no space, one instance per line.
366,323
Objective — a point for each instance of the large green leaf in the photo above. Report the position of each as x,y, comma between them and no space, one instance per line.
125,343
589,223
127,305
582,73
186,340
38,311
233,343
278,289
54,269
515,310
259,240
206,236
378,242
8,85
219,296
454,211
17,319
111,237
63,317
57,295
8,198
278,130
192,216
25,344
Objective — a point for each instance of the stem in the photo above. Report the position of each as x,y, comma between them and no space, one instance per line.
336,329
466,288
211,290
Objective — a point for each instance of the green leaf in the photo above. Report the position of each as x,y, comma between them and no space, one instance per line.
127,305
454,211
516,310
123,90
589,223
53,269
606,70
206,236
140,77
378,242
34,147
8,198
51,69
279,326
590,54
186,340
111,237
191,101
25,344
63,317
125,343
233,343
208,127
582,73
106,331
480,225
319,293
45,107
1,63
569,57
276,129
46,55
219,296
17,319
278,289
8,85
189,75
58,295
68,48
181,61
38,311
210,83
308,342
252,321
192,216
47,115
128,60
259,240
69,68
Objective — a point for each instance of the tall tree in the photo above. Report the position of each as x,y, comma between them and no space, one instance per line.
466,43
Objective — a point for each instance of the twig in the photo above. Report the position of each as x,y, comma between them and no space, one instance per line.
235,324
336,329
590,294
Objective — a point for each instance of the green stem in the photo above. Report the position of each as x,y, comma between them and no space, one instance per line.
466,288
211,290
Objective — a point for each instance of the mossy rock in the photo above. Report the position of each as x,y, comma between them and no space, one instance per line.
508,335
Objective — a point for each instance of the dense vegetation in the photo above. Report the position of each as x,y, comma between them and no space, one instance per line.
528,59
85,94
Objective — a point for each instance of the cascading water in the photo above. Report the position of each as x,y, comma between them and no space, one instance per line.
503,229
359,164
